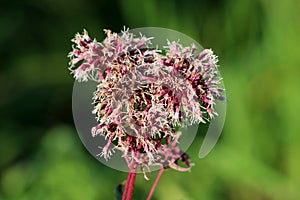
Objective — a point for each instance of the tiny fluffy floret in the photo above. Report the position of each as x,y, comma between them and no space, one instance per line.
144,93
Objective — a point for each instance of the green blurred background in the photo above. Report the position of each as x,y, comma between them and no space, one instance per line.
257,157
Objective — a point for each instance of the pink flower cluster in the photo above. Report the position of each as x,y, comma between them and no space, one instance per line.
144,94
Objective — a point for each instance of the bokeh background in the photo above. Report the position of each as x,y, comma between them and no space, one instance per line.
257,157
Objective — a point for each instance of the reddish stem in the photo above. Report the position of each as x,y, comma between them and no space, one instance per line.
155,183
131,186
126,186
128,191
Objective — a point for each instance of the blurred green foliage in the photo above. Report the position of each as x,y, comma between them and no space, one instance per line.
257,157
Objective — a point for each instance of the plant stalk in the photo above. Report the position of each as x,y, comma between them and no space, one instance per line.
126,186
131,186
155,183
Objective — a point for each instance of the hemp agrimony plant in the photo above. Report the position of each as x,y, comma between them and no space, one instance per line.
143,95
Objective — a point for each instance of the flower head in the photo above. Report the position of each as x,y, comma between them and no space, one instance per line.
143,94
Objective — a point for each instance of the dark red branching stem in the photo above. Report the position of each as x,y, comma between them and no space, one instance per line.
155,183
128,191
131,186
126,186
